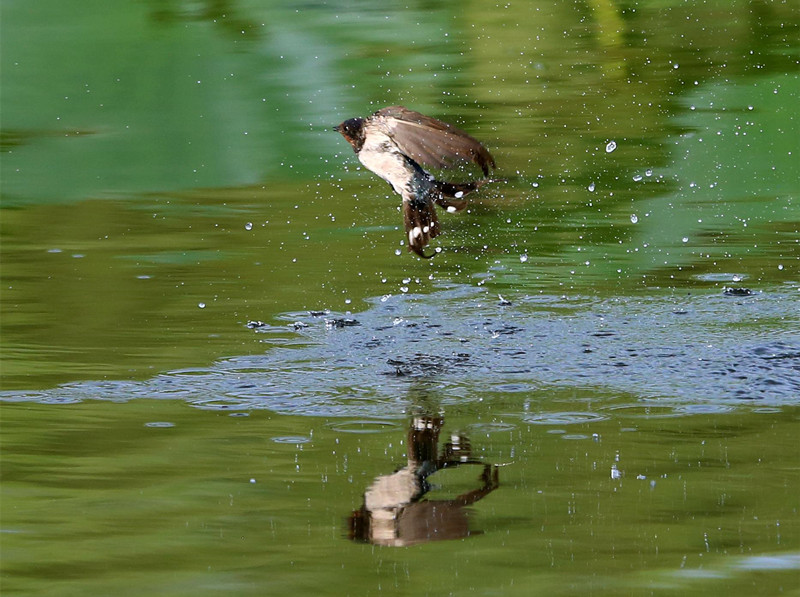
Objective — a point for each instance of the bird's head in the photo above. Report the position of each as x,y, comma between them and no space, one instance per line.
352,130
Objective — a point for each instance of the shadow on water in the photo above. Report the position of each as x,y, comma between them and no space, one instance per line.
398,509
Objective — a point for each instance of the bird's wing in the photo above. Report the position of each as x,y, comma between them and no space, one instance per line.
432,141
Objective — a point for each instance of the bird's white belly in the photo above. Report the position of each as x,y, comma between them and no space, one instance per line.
389,164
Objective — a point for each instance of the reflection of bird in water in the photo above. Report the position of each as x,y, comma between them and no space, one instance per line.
394,513
393,141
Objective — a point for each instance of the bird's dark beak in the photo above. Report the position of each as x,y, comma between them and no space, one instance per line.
337,128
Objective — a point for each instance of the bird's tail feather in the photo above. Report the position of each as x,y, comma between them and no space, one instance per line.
420,216
421,224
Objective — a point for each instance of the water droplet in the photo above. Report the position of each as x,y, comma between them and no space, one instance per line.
248,226
612,145
780,266
685,239
523,258
637,177
648,172
201,305
634,218
591,187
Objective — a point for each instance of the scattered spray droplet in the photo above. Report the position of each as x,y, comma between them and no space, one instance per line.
634,218
612,145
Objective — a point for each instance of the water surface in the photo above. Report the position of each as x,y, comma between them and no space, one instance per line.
613,331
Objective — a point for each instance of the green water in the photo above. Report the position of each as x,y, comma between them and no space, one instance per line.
168,174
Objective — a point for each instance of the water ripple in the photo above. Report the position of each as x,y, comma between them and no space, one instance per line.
666,356
365,426
563,418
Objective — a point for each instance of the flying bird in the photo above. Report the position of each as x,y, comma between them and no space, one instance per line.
393,142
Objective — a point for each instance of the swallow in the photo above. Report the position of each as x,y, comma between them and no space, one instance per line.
394,141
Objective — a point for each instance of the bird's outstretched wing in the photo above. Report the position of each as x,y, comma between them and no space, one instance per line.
432,141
